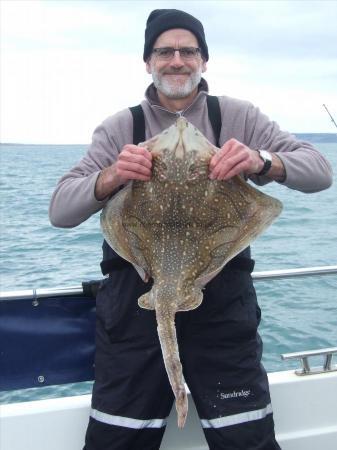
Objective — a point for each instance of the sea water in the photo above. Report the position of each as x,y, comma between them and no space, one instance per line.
297,314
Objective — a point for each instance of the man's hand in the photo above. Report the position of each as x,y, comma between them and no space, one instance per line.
133,163
232,159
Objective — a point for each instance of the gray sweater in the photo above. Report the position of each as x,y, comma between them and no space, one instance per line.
74,201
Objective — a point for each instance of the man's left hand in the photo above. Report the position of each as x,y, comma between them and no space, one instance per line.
232,159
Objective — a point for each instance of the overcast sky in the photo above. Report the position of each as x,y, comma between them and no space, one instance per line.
67,65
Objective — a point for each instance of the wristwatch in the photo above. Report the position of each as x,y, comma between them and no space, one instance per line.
267,160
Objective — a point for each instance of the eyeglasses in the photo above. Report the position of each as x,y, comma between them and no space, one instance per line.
167,53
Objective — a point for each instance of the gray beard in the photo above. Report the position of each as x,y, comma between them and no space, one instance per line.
176,92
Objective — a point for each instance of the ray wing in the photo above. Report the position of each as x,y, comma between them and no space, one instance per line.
232,233
118,230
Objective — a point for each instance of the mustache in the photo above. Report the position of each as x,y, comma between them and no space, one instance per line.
178,71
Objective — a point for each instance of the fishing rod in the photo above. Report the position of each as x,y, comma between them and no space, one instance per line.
332,119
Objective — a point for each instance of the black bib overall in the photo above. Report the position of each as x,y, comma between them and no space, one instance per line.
219,348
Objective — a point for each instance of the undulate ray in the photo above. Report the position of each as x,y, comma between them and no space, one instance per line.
181,228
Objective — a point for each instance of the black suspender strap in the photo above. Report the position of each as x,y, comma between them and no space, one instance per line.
138,124
214,115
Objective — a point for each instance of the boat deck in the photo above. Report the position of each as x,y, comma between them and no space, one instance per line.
304,410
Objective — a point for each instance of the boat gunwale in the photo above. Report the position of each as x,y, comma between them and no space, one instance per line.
33,294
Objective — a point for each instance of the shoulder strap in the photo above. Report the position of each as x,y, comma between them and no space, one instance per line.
138,124
214,114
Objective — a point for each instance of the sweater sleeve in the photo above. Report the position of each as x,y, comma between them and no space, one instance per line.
73,200
306,168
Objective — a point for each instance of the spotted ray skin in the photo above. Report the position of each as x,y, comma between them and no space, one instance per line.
181,228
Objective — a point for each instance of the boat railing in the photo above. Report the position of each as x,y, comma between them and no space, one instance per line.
34,294
61,322
303,357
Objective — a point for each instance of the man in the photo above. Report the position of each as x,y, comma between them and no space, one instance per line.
219,346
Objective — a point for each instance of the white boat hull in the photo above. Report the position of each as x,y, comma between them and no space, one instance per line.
305,413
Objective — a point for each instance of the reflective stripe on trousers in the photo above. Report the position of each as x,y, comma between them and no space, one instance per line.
128,422
236,419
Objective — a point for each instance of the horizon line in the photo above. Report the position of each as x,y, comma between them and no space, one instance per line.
88,143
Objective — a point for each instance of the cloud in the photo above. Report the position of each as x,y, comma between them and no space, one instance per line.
296,29
62,24
57,96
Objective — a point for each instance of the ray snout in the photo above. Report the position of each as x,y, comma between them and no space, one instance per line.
181,124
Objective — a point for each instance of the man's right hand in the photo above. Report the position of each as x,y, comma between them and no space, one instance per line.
133,163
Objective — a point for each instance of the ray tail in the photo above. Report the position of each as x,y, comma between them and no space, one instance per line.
168,340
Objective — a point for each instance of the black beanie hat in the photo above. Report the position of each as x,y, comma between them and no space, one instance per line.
161,20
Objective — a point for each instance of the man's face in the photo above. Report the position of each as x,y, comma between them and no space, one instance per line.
177,77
